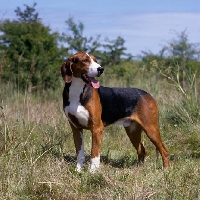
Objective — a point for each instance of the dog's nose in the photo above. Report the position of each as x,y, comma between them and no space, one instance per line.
100,70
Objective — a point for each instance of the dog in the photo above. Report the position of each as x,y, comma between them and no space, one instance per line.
88,105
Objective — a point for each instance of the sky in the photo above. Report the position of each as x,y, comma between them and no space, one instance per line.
145,25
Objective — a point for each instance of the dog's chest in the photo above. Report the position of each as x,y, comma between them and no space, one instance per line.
75,108
79,112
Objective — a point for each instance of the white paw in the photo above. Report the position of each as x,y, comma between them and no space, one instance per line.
94,164
79,164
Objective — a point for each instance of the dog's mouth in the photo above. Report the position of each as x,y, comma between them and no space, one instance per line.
90,80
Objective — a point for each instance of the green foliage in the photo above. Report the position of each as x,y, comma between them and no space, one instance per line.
124,69
75,41
114,52
182,48
185,112
27,15
173,74
32,56
181,69
108,52
179,53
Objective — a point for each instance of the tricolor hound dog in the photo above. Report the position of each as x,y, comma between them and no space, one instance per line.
88,105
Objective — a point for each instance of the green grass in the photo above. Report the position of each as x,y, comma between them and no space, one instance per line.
37,154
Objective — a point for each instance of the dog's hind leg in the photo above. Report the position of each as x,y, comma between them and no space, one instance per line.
146,115
154,135
134,132
79,144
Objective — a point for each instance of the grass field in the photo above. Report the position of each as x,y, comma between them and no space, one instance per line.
37,154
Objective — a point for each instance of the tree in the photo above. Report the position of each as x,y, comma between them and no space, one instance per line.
32,55
115,51
182,54
110,53
27,15
181,47
75,41
177,51
177,62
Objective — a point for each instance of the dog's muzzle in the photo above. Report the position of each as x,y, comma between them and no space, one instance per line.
100,71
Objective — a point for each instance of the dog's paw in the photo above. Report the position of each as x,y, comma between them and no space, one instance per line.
80,162
78,168
94,164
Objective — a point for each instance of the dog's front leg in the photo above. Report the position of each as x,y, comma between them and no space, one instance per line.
96,145
79,144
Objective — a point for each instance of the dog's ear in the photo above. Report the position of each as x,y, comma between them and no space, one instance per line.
66,70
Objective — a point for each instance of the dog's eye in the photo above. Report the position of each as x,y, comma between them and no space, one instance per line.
85,60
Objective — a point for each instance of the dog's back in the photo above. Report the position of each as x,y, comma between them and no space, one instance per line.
118,103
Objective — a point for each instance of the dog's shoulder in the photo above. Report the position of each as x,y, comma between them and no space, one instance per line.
86,94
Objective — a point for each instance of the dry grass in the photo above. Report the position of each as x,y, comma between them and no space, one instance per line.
37,155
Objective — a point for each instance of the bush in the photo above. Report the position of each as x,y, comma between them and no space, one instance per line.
184,112
187,109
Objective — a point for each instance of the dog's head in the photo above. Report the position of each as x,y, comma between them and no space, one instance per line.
84,66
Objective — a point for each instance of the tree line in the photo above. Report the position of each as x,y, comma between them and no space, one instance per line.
30,53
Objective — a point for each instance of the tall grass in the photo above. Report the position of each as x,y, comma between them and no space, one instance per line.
37,153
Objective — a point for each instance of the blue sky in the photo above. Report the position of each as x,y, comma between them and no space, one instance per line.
144,24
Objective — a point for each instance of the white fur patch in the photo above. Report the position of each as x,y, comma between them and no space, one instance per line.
133,126
124,122
127,123
81,156
94,163
92,70
75,108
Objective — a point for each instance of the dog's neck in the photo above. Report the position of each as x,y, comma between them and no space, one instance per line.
76,88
